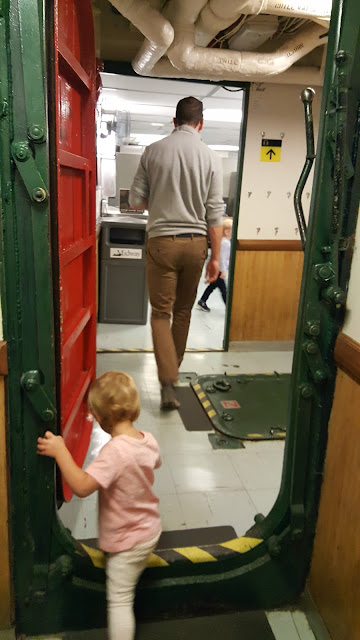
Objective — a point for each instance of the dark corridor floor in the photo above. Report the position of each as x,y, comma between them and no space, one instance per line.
251,625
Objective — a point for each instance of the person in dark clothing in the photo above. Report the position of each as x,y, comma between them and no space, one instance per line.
219,283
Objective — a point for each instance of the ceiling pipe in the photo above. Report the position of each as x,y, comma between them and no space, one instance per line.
174,33
316,10
294,75
218,15
158,32
227,64
292,8
211,22
180,12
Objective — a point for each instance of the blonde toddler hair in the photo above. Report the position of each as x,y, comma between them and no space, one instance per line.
227,226
227,223
113,398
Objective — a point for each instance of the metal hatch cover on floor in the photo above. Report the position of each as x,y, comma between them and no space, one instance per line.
247,407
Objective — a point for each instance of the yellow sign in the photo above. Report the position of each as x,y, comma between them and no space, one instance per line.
270,150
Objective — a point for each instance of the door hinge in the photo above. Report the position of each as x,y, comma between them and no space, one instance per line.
30,381
28,170
316,364
3,108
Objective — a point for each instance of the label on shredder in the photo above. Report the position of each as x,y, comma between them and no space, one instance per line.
124,252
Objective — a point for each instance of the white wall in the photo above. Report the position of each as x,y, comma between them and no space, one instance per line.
352,319
275,110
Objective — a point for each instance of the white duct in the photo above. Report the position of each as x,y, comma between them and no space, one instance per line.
174,34
217,15
210,22
238,65
180,12
295,75
158,32
317,10
292,8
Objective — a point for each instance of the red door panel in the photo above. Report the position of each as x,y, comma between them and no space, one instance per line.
75,80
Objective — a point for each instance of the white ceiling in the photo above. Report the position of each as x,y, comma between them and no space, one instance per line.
150,100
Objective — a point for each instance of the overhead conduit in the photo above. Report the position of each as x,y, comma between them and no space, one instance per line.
217,15
158,32
184,23
230,65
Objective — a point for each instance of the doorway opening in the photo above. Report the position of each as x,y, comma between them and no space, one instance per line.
133,112
200,487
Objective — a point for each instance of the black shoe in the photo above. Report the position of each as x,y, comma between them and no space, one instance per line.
203,306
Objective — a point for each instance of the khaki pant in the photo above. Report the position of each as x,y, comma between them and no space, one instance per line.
174,267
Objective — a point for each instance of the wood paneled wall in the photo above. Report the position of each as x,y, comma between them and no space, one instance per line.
335,572
266,290
5,591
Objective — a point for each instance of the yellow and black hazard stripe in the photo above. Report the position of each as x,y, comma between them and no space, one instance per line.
204,401
126,350
190,555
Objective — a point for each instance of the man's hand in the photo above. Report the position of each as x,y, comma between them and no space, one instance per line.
212,271
140,206
50,445
222,275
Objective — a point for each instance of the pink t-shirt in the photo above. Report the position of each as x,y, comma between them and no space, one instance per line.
128,508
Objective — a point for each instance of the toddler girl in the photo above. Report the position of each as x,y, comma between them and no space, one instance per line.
123,472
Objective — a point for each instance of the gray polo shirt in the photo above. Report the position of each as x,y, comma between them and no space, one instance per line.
181,178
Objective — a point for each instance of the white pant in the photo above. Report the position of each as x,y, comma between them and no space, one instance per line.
123,571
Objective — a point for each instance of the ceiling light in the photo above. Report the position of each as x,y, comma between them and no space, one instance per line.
144,139
157,124
222,115
223,147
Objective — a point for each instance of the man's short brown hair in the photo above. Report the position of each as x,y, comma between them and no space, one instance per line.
189,111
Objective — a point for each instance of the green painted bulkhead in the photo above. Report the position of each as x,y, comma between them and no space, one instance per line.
56,587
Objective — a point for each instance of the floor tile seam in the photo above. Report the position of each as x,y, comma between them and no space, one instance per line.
230,457
221,491
218,490
252,502
260,488
171,475
281,637
183,519
297,628
197,526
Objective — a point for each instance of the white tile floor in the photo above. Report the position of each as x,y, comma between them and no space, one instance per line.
290,625
197,486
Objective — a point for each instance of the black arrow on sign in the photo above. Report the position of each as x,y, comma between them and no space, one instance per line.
271,153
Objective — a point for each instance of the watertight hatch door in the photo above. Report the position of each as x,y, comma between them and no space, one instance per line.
75,97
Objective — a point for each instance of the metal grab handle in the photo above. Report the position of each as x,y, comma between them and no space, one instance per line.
307,96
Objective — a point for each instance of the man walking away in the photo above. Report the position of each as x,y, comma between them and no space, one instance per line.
179,181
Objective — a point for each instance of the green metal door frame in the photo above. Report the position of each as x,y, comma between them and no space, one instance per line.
57,588
27,289
234,238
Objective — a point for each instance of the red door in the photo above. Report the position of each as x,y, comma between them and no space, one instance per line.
75,78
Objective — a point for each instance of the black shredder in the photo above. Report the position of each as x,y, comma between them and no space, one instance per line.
123,289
